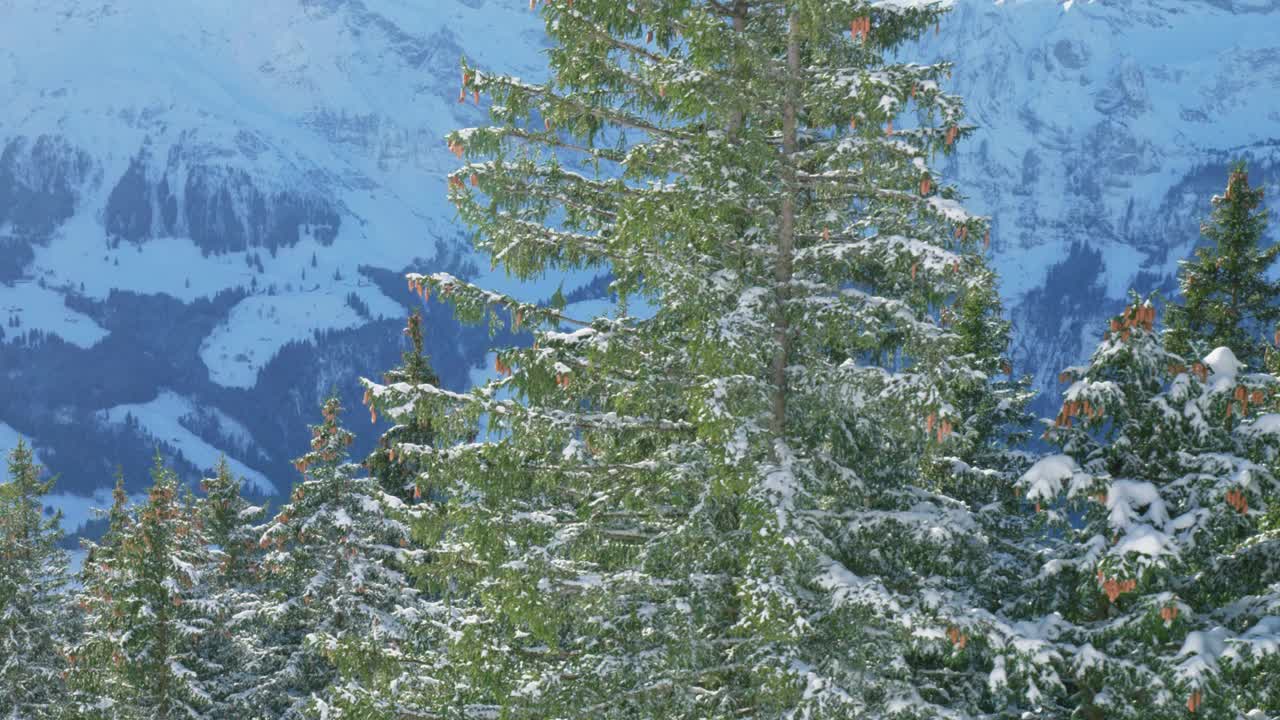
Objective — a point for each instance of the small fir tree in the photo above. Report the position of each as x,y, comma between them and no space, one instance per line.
1161,578
233,582
1227,299
397,477
33,573
333,587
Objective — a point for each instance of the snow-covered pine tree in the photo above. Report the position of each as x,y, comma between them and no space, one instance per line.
397,478
703,513
233,581
1228,301
333,587
1160,567
145,612
92,693
33,573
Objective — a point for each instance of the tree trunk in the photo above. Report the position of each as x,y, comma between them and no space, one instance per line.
786,234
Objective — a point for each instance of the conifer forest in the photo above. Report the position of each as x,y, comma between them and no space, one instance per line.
793,475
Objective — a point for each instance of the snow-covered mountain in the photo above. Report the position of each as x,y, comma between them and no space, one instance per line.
1105,127
205,207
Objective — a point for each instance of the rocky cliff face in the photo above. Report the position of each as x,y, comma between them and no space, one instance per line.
1104,129
204,208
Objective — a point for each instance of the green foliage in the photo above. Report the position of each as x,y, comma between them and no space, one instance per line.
32,575
332,584
718,510
397,478
1227,298
146,613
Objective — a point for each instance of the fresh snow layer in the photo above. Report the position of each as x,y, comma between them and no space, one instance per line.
1046,479
1223,362
159,418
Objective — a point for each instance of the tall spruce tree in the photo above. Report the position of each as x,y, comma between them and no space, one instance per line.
334,586
33,573
1227,298
1161,574
701,513
146,613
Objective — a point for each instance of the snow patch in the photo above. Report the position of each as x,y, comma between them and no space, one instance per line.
42,308
159,418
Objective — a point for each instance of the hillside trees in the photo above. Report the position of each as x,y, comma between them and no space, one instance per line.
32,578
716,510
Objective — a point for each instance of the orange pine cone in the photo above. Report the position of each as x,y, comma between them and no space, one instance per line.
475,95
462,95
929,422
649,37
1239,393
546,123
888,129
853,125
925,186
373,415
826,235
417,492
1194,702
986,240
475,180
914,267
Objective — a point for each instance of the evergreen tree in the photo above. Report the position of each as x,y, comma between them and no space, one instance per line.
704,513
332,584
1227,299
233,584
33,571
146,613
1161,574
397,478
